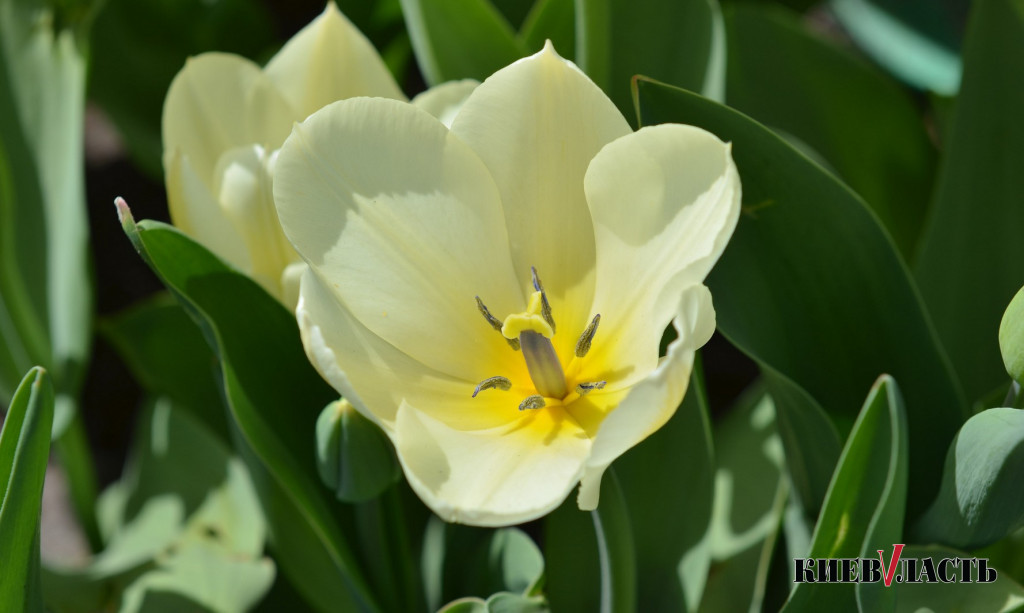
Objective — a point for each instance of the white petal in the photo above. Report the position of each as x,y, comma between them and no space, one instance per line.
497,477
197,213
537,124
375,376
291,280
330,60
244,190
219,101
665,201
444,101
404,223
651,402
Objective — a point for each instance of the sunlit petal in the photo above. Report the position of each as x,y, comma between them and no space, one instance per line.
665,201
495,477
444,101
218,102
329,60
405,222
651,402
374,375
537,124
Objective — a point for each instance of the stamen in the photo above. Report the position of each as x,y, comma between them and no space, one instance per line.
546,307
501,383
495,323
542,362
585,388
532,402
583,345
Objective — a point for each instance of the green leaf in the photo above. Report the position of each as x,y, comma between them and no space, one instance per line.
459,39
128,46
354,457
44,77
917,59
866,126
553,20
184,508
590,560
981,500
462,563
864,507
808,436
273,393
1011,337
681,42
668,483
969,266
1001,596
750,496
24,450
166,353
811,286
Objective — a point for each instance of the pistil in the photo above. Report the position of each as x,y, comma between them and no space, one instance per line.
542,362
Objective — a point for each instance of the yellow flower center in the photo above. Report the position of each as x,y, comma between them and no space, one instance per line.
531,331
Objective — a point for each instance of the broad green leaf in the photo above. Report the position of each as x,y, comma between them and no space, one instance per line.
354,457
811,286
24,450
273,393
590,559
459,39
750,496
1011,337
503,602
864,507
919,60
668,483
167,354
969,266
681,42
1001,596
863,123
808,436
981,500
146,44
553,20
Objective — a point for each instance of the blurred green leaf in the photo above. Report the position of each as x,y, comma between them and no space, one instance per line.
166,353
811,286
1001,596
969,265
24,451
273,393
462,562
860,120
138,47
43,78
981,500
750,496
1011,337
912,56
183,519
809,439
354,457
460,39
502,602
680,42
864,508
553,20
668,483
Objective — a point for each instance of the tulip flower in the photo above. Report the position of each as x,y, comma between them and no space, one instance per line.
224,119
493,295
